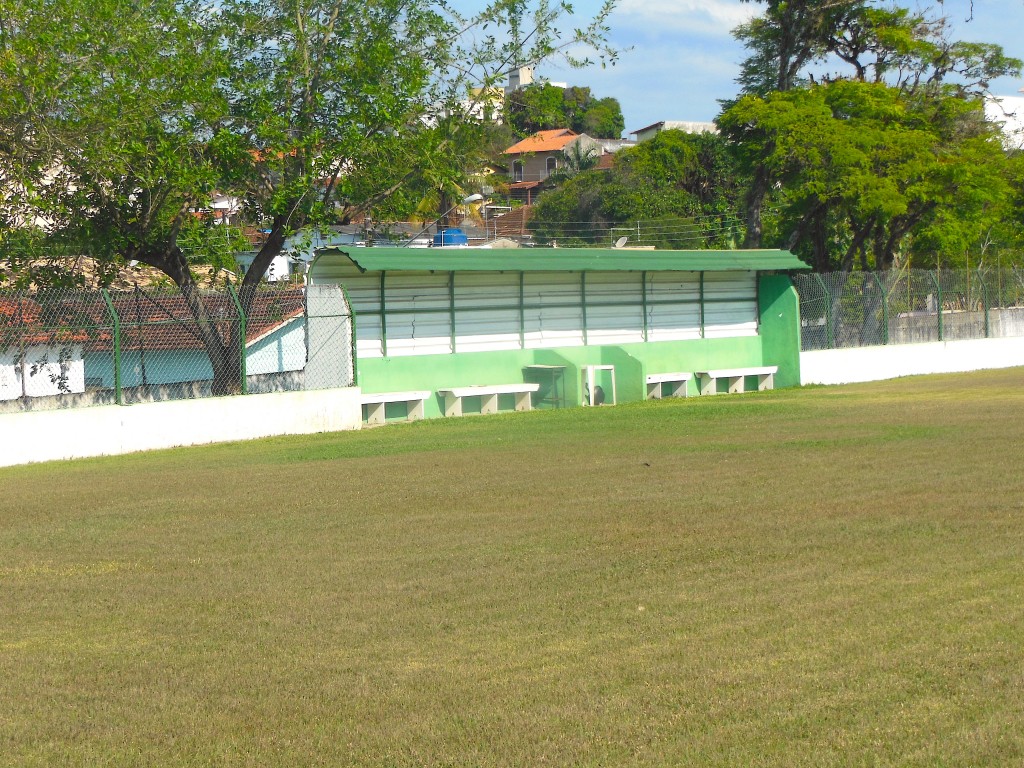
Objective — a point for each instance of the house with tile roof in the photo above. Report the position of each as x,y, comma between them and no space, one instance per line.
39,355
536,157
67,346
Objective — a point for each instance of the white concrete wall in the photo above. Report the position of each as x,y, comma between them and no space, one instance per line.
48,377
110,429
846,366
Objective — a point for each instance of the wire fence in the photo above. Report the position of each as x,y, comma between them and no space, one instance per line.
674,232
64,348
859,309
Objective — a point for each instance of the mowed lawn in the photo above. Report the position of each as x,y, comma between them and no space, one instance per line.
827,576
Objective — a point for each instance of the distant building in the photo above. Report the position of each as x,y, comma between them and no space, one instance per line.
536,157
650,131
523,76
519,78
611,146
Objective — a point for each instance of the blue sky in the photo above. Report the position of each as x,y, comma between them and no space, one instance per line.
683,57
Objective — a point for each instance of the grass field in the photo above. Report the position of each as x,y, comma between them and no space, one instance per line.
827,576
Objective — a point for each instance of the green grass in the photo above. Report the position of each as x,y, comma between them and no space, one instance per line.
827,576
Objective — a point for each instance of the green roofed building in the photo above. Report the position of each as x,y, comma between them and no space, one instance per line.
438,318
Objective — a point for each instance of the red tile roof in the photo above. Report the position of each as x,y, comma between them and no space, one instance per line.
149,321
543,141
513,223
27,322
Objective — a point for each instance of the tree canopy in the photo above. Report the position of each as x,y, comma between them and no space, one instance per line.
119,122
863,132
685,187
542,106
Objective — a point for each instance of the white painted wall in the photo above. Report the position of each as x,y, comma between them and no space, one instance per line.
48,376
418,309
111,430
846,366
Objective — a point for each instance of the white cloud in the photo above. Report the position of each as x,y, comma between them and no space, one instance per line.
715,18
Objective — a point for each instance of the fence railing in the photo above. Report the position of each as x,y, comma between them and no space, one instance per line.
62,348
858,309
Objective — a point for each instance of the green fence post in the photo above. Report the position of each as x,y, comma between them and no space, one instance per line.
242,350
643,299
700,308
885,307
828,310
522,310
116,322
984,301
354,340
938,299
451,310
583,305
383,319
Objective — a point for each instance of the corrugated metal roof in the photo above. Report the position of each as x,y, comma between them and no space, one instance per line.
549,260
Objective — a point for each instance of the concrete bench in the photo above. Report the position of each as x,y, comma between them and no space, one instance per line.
736,376
678,379
375,402
488,395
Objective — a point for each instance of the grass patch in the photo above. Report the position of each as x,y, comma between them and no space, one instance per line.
817,577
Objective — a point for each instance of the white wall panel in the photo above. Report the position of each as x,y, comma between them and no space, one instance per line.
614,325
551,288
553,316
368,335
676,321
363,292
552,325
419,333
416,291
487,330
496,327
673,286
730,304
615,307
490,289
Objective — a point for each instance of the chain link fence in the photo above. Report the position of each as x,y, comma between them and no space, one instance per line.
66,348
860,309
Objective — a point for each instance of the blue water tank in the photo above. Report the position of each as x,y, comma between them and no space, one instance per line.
452,236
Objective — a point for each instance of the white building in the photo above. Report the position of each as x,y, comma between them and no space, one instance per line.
650,131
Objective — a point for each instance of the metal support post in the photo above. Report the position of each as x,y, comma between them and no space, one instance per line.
116,323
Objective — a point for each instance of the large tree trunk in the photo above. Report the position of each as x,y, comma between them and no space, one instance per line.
755,203
224,346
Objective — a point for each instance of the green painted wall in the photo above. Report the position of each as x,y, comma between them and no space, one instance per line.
779,308
777,343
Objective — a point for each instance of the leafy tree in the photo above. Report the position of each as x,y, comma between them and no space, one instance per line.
602,119
682,185
535,108
890,159
868,177
117,124
105,143
542,106
789,36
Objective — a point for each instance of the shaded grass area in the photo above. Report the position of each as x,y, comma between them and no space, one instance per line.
826,576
